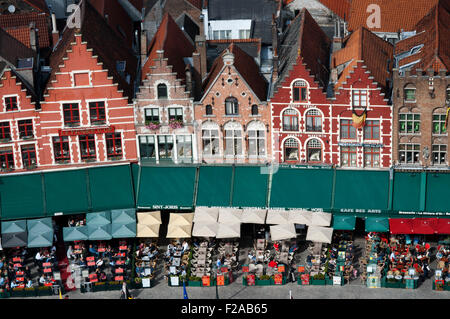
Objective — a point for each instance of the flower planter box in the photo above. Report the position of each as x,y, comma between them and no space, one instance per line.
29,292
114,285
394,284
4,293
318,282
100,286
44,291
195,283
266,282
18,292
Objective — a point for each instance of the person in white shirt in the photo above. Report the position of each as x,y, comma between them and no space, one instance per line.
42,280
185,246
14,284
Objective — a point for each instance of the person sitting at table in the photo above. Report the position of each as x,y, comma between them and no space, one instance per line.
251,257
99,263
71,222
82,262
42,280
14,284
276,245
29,282
102,276
39,258
185,247
93,250
70,254
2,281
293,248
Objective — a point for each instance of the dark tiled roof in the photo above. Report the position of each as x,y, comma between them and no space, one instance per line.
40,5
24,19
105,44
11,49
187,25
250,46
22,34
247,68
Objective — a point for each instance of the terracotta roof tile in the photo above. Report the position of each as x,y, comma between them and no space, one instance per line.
11,49
24,19
395,15
365,46
175,44
196,3
21,34
339,7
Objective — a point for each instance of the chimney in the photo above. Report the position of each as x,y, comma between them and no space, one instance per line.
143,47
228,58
33,36
200,47
196,75
275,66
189,80
274,35
55,33
337,39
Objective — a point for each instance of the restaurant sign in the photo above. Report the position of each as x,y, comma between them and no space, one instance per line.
425,213
168,207
357,210
361,145
87,131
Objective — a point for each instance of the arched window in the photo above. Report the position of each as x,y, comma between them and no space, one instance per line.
291,150
314,151
313,121
209,110
210,138
256,139
162,91
299,91
409,92
233,139
231,106
255,109
290,120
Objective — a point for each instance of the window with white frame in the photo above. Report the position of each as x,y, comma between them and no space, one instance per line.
348,156
371,156
151,115
439,124
409,123
233,139
222,34
291,150
176,114
290,120
244,34
409,153
439,154
231,106
147,149
313,121
184,147
210,141
11,103
359,98
256,139
300,91
314,151
165,147
409,92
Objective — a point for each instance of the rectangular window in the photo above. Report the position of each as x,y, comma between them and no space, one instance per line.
151,115
244,34
114,145
5,131
225,34
348,131
71,114
29,156
176,114
409,123
299,94
372,130
233,142
439,154
147,147
256,143
410,94
61,149
87,147
409,153
359,98
7,158
97,112
210,139
184,147
372,157
231,106
165,147
439,124
348,156
11,103
25,129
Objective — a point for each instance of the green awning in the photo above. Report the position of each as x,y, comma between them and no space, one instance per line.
38,226
111,187
21,196
214,186
15,226
250,187
10,240
37,240
124,230
166,187
437,192
102,232
301,188
344,222
361,190
98,219
377,224
123,216
66,192
75,233
406,195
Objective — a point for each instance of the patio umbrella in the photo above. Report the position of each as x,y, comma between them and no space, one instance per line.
206,214
38,226
175,231
147,231
230,215
41,239
14,240
75,233
283,231
321,219
319,234
123,230
98,219
229,231
15,226
123,216
102,232
377,224
204,229
254,216
149,218
181,219
300,216
277,217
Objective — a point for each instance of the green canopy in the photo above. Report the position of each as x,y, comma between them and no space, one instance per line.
437,192
214,186
75,233
406,194
341,222
124,230
15,226
10,240
250,186
377,224
98,219
38,226
123,216
102,232
44,239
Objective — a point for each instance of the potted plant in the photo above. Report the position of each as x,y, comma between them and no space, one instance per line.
44,291
100,286
195,281
154,125
115,285
174,124
318,279
30,292
263,280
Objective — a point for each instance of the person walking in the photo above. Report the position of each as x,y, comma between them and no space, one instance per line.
125,293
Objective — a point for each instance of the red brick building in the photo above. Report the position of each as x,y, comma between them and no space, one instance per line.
233,117
87,117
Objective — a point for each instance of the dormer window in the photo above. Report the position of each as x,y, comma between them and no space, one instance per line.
162,91
359,98
300,91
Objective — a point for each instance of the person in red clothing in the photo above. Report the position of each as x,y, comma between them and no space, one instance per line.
273,263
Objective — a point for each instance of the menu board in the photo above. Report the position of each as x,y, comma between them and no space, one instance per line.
220,280
301,269
250,280
244,268
305,279
281,268
206,280
278,279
